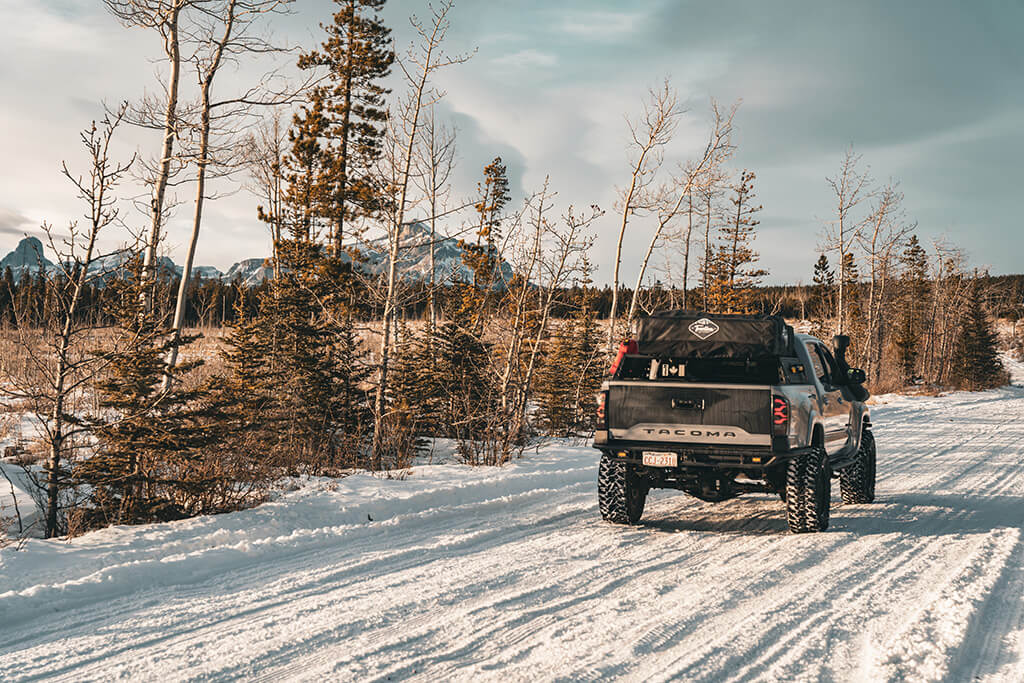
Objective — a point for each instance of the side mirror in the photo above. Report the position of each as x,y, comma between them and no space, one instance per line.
856,376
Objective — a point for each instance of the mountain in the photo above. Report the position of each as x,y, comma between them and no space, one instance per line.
27,257
251,271
206,273
414,262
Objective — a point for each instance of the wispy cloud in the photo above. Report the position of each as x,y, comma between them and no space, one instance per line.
527,59
602,25
13,222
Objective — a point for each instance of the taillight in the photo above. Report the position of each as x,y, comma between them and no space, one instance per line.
602,417
780,416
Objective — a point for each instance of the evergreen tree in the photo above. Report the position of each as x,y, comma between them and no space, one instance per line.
296,372
976,364
572,370
856,327
910,308
149,442
357,56
305,198
554,387
821,304
733,275
482,257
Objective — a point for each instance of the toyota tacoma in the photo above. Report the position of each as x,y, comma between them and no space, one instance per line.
720,405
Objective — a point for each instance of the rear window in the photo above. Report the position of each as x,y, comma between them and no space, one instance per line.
705,370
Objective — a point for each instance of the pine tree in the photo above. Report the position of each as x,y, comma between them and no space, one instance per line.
732,273
357,55
296,372
910,308
976,364
572,369
149,441
482,257
305,198
824,283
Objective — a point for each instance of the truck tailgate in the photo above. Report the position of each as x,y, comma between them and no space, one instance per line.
737,414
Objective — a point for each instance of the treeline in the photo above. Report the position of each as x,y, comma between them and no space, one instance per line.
211,303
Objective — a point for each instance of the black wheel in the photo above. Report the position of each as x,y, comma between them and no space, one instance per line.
620,496
857,482
808,492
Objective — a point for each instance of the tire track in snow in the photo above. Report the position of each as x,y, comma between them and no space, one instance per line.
500,581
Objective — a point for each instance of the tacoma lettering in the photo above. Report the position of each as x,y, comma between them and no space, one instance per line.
688,432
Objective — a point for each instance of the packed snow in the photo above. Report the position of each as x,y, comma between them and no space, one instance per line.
459,573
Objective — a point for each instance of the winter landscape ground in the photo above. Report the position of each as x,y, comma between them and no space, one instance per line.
509,574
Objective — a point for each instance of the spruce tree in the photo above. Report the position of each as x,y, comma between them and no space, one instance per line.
910,308
824,283
572,369
357,56
482,257
555,388
976,364
149,441
296,374
735,267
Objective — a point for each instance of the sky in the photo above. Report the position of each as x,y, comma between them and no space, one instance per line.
929,92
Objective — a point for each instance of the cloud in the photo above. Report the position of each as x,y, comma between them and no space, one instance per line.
602,25
13,222
526,59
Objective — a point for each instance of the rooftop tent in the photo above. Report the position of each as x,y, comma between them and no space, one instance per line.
692,334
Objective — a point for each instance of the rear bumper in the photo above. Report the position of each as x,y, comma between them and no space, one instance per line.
703,456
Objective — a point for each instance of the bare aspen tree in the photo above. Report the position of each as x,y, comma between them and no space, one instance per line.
563,259
264,154
220,34
885,230
164,17
708,194
61,371
670,201
949,297
649,135
525,261
546,256
850,187
404,126
436,159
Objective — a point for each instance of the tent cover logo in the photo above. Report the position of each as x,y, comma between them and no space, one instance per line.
703,328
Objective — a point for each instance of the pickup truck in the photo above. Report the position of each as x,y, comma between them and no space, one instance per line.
720,405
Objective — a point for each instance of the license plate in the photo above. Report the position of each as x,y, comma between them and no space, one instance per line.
660,459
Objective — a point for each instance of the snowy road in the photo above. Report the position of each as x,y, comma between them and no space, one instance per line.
484,574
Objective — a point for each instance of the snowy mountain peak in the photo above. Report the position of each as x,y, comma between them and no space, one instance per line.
27,257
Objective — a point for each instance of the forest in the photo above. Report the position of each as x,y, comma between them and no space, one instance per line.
154,396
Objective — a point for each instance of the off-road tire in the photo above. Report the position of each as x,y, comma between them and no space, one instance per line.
857,482
808,492
620,496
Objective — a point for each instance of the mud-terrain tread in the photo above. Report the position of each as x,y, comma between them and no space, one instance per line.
857,482
817,491
794,487
808,492
620,499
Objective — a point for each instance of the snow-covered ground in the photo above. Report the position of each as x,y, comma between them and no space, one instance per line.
487,574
